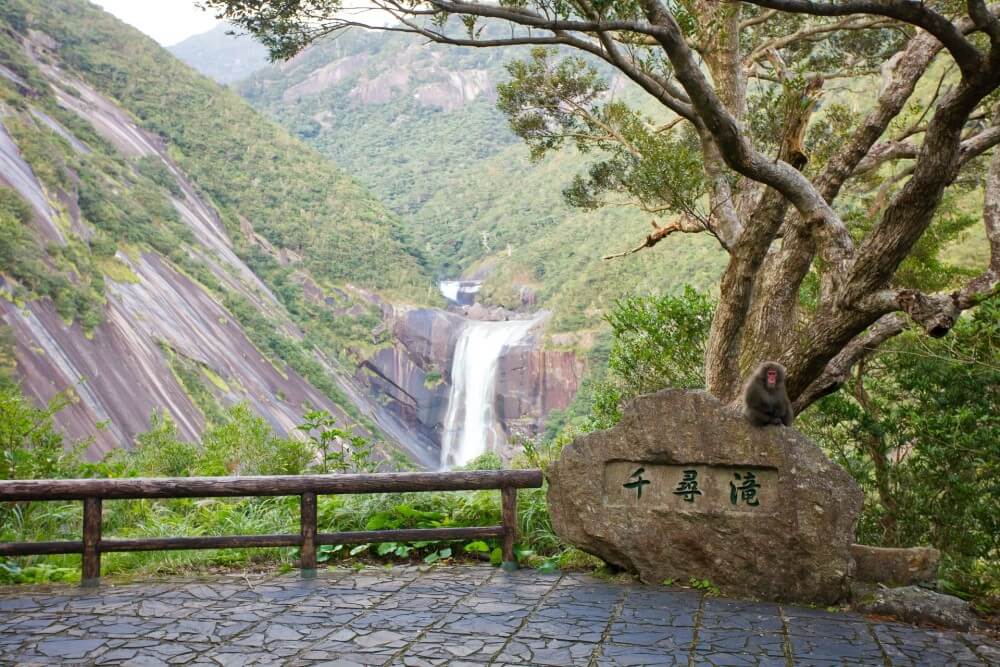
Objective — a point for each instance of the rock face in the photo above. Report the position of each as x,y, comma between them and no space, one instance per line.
683,487
409,376
532,382
413,377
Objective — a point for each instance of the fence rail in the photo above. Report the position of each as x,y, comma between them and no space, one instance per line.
93,491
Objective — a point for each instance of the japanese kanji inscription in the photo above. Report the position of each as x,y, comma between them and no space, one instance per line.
691,488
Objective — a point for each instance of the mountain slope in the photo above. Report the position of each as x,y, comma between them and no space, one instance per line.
223,57
164,247
418,124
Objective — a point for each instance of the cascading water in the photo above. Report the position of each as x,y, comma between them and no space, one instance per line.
470,426
461,292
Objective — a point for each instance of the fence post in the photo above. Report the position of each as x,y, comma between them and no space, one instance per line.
307,523
91,542
508,515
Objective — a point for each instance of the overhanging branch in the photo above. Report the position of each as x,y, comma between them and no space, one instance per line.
838,370
684,224
918,14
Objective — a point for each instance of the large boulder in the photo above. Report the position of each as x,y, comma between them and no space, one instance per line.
684,487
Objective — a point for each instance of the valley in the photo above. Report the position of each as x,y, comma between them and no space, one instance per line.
199,257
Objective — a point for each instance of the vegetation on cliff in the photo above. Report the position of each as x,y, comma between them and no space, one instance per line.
419,125
247,166
296,220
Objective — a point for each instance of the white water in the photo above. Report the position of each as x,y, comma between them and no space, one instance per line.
470,426
452,289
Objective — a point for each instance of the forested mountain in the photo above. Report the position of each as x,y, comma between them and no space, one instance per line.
418,123
162,246
222,56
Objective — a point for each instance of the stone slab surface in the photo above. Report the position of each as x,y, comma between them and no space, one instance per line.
446,616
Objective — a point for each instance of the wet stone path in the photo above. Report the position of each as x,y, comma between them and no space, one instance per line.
445,616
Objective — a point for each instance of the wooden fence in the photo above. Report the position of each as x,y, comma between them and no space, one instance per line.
93,491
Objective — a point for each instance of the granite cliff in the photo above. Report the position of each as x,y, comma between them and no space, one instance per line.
166,249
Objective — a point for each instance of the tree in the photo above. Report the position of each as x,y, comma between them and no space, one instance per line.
820,208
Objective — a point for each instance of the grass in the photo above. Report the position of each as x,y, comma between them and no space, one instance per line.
116,270
258,516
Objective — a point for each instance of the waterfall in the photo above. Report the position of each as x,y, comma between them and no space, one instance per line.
470,426
461,292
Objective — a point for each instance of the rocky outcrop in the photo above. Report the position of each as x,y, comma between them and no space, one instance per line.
157,320
532,382
409,75
683,487
120,374
412,377
409,376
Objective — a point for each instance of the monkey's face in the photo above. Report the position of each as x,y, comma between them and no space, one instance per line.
772,377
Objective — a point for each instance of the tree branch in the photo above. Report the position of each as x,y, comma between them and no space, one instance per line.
918,14
838,370
911,211
901,73
936,313
984,20
890,151
763,17
658,88
815,33
684,224
734,147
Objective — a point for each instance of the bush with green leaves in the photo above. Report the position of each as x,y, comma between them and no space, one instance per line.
241,443
919,428
657,342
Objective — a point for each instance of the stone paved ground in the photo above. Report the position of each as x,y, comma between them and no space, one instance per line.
446,616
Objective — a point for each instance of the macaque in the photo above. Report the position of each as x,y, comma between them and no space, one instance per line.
765,401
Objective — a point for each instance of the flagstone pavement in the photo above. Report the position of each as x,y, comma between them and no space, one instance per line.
460,615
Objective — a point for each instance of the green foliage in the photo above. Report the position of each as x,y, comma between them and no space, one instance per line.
658,342
245,444
30,446
12,573
159,452
24,260
8,359
702,585
153,168
294,199
485,461
921,434
191,376
298,355
341,450
467,209
549,103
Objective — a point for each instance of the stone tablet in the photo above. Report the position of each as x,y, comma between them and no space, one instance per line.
684,487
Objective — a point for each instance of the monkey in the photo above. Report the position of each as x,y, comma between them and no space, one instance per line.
765,401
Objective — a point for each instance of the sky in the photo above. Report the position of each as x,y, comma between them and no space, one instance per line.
166,21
